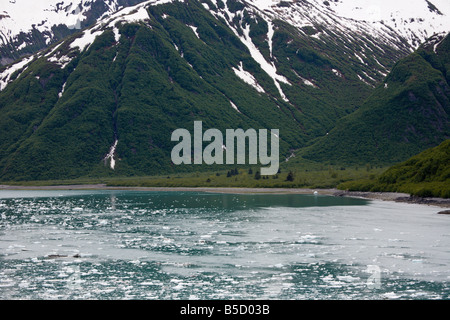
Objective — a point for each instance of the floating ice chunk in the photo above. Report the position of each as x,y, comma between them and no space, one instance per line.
391,295
348,278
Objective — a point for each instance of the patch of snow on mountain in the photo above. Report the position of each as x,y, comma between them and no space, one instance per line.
269,68
247,77
129,15
234,106
62,61
369,77
305,81
435,41
359,58
363,80
22,46
195,31
86,39
309,83
138,13
270,36
135,13
337,73
5,76
62,90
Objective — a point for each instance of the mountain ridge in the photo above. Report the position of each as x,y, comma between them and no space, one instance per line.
406,114
104,100
45,22
48,21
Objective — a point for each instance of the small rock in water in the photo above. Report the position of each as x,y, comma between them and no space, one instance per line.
55,256
444,212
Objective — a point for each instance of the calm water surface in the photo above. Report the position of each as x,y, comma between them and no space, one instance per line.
181,245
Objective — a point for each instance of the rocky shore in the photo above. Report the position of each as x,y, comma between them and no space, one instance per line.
397,197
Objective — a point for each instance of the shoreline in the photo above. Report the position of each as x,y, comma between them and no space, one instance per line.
383,196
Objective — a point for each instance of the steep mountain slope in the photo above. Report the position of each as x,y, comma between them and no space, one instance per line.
105,100
406,114
136,83
28,26
426,174
415,21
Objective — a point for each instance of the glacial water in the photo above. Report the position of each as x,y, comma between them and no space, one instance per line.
182,245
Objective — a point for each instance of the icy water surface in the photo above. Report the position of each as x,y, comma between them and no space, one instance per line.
180,245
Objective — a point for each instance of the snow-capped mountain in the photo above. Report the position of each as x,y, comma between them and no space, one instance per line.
376,26
27,26
414,20
401,25
113,89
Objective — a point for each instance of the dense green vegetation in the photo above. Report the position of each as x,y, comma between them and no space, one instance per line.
405,115
424,175
160,77
249,177
315,179
140,98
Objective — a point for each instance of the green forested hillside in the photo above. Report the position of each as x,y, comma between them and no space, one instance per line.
425,175
64,111
406,114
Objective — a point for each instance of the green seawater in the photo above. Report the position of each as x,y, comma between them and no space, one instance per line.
188,245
